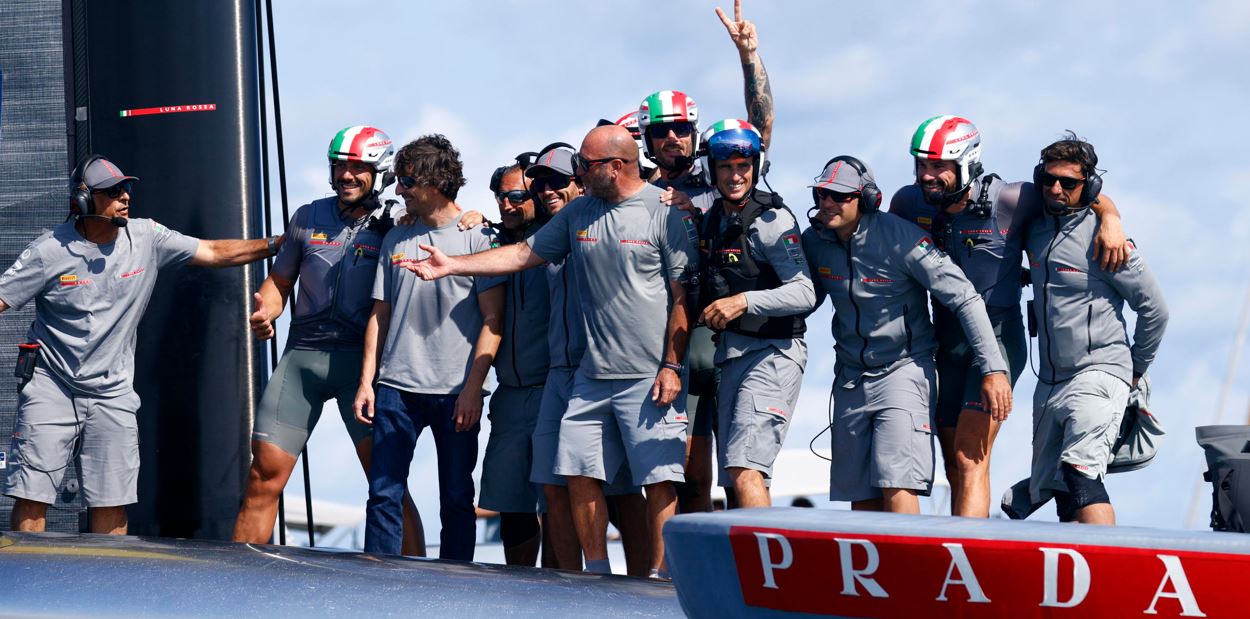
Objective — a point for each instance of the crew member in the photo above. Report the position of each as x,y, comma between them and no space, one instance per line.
439,342
332,255
669,124
876,268
91,278
758,291
629,256
1087,362
979,220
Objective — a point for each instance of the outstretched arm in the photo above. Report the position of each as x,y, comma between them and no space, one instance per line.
234,252
498,261
759,94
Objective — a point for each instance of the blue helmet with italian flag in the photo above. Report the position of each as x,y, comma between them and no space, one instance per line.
727,138
950,138
663,107
370,145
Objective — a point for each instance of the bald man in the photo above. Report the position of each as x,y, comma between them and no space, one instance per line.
629,254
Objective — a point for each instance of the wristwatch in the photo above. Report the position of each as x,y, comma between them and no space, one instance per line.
272,243
676,367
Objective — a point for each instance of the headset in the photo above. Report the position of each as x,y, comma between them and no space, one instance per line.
80,202
869,193
1093,180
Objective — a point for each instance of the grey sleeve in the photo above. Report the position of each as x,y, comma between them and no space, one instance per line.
286,265
484,240
778,235
25,279
1139,288
382,278
677,236
809,241
552,240
946,282
172,247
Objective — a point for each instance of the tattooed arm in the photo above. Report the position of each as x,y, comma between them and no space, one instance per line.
759,93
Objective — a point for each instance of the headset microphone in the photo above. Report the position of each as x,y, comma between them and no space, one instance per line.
120,222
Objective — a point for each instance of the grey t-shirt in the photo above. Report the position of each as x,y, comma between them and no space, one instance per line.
623,257
434,325
90,298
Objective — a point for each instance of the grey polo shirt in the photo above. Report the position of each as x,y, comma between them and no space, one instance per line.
434,325
90,298
623,257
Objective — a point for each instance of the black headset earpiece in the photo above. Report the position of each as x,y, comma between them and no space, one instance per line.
1092,187
869,193
80,201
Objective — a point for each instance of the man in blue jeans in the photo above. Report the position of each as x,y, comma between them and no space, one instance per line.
435,354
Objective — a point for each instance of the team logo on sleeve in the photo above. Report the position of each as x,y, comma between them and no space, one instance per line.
794,247
925,244
934,255
1135,262
692,231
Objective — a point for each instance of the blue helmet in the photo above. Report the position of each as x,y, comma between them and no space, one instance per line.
728,138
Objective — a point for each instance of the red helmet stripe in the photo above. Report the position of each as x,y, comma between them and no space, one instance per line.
937,144
362,138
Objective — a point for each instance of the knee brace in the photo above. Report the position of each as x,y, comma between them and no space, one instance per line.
517,528
1083,490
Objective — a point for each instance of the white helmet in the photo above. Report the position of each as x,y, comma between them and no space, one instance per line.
367,144
950,138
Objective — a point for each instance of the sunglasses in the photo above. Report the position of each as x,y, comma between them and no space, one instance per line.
516,196
1067,182
117,190
554,182
583,164
836,196
407,182
679,129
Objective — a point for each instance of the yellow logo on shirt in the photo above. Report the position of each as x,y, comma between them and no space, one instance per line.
584,236
318,236
68,279
398,258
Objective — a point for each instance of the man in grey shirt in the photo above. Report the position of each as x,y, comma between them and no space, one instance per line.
1088,365
429,347
629,254
876,269
91,279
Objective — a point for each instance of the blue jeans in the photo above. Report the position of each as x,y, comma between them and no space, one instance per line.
399,418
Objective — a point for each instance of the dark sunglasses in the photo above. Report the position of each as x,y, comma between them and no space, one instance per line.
583,164
554,182
679,129
836,196
516,196
117,190
1067,182
407,182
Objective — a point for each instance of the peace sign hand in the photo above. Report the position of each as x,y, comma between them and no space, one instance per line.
740,30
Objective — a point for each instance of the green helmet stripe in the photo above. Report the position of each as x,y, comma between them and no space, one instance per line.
922,139
342,141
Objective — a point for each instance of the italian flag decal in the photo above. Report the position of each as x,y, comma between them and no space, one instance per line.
790,239
351,142
933,135
668,106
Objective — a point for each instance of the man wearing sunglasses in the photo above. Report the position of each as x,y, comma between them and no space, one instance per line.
521,369
878,271
979,221
429,347
758,291
92,277
1088,365
629,254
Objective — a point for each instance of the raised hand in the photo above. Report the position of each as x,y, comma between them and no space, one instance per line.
741,31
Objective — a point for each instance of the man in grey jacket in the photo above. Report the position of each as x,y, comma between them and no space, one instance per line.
877,268
1087,363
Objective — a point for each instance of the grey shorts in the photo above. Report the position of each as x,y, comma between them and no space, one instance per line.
546,439
882,434
613,422
506,486
300,386
49,419
757,398
1075,422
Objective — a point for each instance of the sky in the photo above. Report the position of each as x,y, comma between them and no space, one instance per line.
1150,84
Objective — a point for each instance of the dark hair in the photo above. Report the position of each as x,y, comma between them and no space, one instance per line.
1074,149
433,161
496,179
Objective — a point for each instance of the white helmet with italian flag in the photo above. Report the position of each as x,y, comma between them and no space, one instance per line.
630,122
367,144
950,138
667,106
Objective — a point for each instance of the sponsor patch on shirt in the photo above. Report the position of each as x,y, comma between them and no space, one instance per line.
636,242
399,258
827,273
584,236
877,280
1135,262
924,221
934,255
72,280
321,238
138,271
